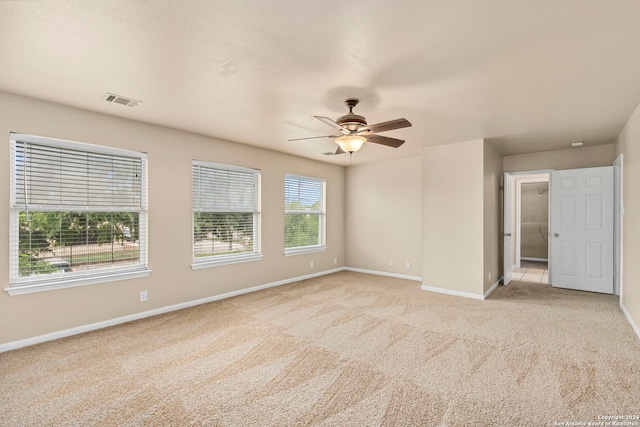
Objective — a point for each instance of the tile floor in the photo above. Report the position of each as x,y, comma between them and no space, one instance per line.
531,275
532,272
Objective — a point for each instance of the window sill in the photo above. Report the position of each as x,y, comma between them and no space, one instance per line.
207,262
304,250
20,289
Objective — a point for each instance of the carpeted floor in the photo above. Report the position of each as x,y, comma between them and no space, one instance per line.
346,349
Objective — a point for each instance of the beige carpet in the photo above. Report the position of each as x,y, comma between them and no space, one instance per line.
346,349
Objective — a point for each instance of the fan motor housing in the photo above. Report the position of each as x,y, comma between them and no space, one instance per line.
352,121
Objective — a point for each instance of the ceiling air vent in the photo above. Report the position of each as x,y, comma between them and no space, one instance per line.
117,99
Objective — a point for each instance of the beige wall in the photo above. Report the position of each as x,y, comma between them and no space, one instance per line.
446,211
453,225
492,225
570,158
628,143
172,281
384,216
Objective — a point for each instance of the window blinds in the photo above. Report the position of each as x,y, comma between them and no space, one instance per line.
75,208
57,178
226,209
304,212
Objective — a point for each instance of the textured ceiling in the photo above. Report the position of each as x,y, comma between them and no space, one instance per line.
528,75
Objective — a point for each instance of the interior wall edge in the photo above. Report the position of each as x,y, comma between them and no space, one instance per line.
451,292
453,220
384,273
633,324
492,288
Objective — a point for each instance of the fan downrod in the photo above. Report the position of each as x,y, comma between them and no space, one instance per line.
350,103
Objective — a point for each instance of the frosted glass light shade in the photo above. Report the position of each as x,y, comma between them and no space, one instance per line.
350,143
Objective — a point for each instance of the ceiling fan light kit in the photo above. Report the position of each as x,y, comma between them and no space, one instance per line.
350,143
354,131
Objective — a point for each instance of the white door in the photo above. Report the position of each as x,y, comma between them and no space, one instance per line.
582,229
507,232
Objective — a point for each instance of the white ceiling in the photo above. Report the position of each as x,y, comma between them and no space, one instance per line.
529,75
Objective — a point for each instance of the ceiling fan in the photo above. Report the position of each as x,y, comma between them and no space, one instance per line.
354,131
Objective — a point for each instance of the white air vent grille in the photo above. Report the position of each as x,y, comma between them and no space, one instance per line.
117,99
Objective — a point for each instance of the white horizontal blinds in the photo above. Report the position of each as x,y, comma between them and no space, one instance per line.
76,209
304,211
226,209
219,190
53,177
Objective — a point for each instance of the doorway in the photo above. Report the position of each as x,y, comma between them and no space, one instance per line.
533,221
583,251
526,215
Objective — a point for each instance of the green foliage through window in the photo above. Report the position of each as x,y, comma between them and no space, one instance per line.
84,240
304,212
302,230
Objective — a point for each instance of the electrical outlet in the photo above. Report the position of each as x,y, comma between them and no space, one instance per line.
390,263
143,296
489,277
335,260
407,265
310,264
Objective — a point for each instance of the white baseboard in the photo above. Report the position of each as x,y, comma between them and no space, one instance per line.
492,288
451,292
534,259
136,316
384,273
633,324
461,293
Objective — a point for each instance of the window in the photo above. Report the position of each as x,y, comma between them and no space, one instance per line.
78,214
226,214
304,209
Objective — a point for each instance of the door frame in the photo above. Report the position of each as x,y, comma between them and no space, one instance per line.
507,226
509,204
618,214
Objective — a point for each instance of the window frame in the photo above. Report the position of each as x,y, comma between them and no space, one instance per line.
227,259
321,212
31,284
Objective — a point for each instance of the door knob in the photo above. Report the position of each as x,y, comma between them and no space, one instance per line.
556,235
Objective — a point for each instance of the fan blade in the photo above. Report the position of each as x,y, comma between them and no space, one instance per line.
331,153
385,126
314,137
385,140
332,123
